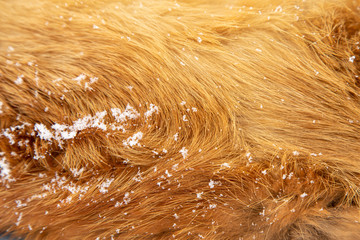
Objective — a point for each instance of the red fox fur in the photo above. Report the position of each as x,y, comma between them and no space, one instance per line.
185,119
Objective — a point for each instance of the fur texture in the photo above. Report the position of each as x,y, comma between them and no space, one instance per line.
180,120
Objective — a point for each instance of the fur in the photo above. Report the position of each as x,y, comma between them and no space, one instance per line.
180,120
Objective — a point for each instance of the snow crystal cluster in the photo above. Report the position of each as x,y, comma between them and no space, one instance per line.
62,132
133,140
59,133
5,173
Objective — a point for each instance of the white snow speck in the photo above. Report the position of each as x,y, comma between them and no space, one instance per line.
126,198
19,219
43,132
184,152
76,172
183,103
249,157
88,122
199,39
1,104
19,80
129,113
183,64
152,110
296,153
133,140
176,216
225,165
80,78
95,27
88,84
60,131
176,136
211,206
211,183
351,59
68,135
303,195
198,195
105,185
4,168
20,204
175,167
258,50
278,9
184,118
167,173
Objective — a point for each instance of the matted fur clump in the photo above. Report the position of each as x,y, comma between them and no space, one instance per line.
180,119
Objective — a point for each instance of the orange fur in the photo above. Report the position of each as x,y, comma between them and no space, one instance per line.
180,120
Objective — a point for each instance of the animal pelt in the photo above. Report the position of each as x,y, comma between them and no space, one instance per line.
182,119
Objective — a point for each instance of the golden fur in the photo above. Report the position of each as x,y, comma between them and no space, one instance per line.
180,120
